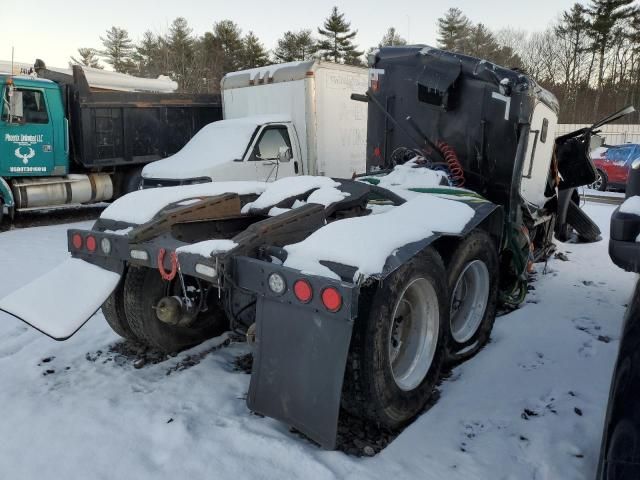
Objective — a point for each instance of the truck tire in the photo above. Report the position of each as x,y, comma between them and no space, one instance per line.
391,374
586,229
473,280
143,288
114,313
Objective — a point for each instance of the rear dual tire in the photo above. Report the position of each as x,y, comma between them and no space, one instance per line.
393,369
381,384
130,312
114,314
143,289
473,280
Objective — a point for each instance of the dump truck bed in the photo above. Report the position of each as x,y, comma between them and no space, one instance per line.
110,128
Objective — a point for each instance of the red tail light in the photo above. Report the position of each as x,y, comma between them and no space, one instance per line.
303,291
76,240
91,244
331,299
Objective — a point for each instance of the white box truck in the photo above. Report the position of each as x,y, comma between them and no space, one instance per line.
281,120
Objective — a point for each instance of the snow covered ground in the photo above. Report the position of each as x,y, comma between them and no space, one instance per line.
529,406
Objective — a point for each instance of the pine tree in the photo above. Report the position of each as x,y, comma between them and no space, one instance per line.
573,25
87,57
605,16
392,38
147,56
181,54
295,46
118,49
354,58
337,43
454,30
481,43
228,40
253,52
210,57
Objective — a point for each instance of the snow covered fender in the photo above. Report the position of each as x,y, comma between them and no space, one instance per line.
301,350
487,216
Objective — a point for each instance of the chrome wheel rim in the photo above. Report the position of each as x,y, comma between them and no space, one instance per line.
597,185
413,335
469,301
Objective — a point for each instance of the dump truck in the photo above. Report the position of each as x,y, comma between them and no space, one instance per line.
280,120
65,142
352,292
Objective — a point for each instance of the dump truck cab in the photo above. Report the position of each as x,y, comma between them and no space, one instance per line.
33,131
64,140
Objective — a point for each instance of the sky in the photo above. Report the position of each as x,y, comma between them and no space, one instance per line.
53,30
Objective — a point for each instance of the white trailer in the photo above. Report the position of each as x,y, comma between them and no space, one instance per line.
281,120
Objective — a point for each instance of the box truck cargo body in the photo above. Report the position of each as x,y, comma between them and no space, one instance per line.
300,109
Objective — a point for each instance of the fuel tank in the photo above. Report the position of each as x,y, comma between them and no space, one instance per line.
53,191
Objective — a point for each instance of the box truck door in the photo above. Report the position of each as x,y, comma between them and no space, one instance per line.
26,134
267,155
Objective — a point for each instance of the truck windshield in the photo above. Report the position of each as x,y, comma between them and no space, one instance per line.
34,109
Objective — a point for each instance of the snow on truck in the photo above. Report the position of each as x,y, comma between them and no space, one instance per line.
279,121
64,140
353,292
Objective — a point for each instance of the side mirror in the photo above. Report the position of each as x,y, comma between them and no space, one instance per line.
284,154
15,104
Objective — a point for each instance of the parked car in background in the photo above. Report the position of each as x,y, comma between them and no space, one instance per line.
613,164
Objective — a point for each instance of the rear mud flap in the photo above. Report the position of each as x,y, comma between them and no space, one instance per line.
300,353
59,302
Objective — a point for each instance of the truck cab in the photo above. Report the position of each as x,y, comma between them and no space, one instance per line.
33,131
259,147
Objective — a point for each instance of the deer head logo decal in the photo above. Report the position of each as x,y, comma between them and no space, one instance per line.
25,157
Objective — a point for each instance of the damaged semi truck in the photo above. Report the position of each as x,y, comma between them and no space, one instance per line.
353,293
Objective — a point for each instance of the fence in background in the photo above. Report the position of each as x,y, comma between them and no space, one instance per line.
614,134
